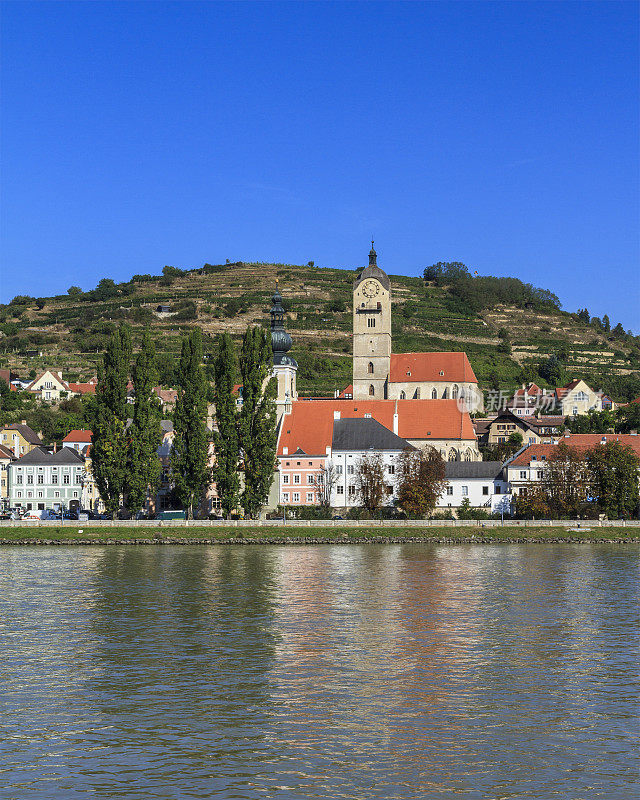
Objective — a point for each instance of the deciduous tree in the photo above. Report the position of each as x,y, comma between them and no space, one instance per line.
422,481
257,423
369,481
613,471
227,449
189,455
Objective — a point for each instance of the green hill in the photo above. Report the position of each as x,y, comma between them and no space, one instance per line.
506,341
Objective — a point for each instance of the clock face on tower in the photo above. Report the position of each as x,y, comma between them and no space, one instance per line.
370,288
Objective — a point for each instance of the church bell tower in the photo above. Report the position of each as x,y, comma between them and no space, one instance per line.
285,367
371,332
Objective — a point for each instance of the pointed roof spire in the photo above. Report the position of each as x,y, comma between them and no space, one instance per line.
372,256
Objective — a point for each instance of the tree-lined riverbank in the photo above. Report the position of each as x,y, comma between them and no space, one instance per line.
292,534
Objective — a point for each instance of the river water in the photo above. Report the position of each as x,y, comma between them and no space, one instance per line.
392,671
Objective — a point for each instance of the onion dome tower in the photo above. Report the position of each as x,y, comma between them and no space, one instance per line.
284,366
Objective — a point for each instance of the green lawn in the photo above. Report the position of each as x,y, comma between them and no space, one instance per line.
261,534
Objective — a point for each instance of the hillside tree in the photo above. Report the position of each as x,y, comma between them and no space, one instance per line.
190,452
257,422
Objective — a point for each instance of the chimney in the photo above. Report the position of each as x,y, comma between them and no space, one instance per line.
567,434
23,421
55,447
633,433
16,449
395,419
59,374
336,415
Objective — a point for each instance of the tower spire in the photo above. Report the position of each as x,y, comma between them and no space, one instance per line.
373,256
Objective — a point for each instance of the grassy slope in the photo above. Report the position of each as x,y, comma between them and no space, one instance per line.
271,534
70,333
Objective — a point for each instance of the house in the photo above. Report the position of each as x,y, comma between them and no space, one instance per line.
532,429
77,440
6,458
49,386
163,309
19,438
84,388
482,483
568,401
167,397
527,465
42,480
380,374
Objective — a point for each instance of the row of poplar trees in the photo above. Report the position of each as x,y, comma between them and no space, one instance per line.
125,440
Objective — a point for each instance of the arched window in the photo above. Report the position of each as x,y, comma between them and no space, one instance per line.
453,455
403,395
434,394
454,392
371,368
467,455
445,394
372,391
417,394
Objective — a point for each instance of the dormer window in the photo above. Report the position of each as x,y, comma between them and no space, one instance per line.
441,373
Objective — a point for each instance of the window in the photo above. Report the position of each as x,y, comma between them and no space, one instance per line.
309,497
30,480
449,490
296,479
575,411
339,469
40,479
285,479
391,469
54,478
75,494
40,506
285,497
350,469
370,368
40,494
497,489
78,479
465,491
311,479
371,322
19,479
523,474
56,494
389,489
403,396
539,474
18,494
372,391
296,497
352,490
454,393
66,479
417,393
434,394
445,394
339,489
485,490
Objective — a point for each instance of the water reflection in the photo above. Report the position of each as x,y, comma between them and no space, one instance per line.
335,672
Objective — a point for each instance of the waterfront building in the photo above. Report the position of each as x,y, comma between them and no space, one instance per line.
43,480
19,438
482,483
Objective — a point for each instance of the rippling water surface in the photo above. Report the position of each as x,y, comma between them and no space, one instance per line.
389,671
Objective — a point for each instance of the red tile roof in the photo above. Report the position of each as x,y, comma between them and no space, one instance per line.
77,435
6,453
428,366
310,424
577,441
348,390
82,388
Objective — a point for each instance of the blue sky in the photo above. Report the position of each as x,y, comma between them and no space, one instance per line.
504,135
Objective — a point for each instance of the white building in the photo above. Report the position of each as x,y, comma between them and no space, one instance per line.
482,483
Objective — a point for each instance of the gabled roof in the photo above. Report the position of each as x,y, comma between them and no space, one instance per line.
40,456
53,374
81,436
487,470
365,434
6,453
82,388
412,367
28,434
347,392
310,423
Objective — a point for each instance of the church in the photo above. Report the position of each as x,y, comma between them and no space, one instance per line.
380,374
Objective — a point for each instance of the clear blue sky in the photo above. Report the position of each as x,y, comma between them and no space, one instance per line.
504,135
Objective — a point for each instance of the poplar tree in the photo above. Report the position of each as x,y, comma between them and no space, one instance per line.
189,455
225,471
109,439
144,434
257,419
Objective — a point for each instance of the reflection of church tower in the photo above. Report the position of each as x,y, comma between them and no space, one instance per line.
371,332
284,367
